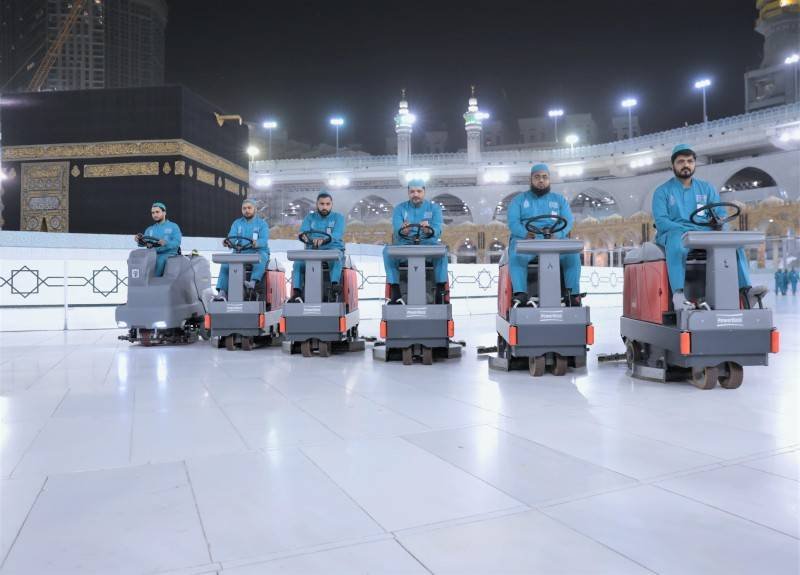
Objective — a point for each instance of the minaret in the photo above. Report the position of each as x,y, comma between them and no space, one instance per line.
473,123
403,122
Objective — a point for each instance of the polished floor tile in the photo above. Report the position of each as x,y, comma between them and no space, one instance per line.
526,542
670,534
402,486
135,520
16,499
785,464
255,504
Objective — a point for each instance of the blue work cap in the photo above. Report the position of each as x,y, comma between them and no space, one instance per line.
540,168
159,205
324,194
682,150
416,183
249,201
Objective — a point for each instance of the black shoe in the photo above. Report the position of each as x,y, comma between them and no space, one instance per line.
336,292
575,300
297,296
440,293
395,297
520,298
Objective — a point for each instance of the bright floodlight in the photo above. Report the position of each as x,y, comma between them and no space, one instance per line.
629,103
411,118
572,139
337,121
252,151
793,59
704,83
2,175
555,113
270,125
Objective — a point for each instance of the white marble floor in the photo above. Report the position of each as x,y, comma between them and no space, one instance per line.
120,459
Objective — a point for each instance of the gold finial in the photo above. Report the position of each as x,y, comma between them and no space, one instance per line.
403,92
473,91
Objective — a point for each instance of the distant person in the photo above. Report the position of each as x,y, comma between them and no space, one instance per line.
168,234
793,277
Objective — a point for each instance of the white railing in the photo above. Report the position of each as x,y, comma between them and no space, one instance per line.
691,134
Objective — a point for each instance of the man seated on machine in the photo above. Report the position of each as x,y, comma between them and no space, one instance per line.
165,236
538,200
673,204
416,221
250,234
322,229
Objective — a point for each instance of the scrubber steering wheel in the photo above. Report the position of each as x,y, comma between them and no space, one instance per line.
309,241
147,241
238,243
559,223
713,221
422,232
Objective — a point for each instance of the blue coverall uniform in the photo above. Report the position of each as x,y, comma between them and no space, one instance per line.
523,207
672,206
793,277
171,234
332,224
781,282
407,212
257,230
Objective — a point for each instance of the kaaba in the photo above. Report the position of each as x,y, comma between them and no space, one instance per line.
93,161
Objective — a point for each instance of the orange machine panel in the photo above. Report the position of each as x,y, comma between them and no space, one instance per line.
504,293
275,286
350,288
656,295
630,302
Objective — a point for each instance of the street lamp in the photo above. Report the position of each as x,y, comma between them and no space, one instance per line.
337,123
555,114
270,125
630,104
702,85
252,151
794,60
571,139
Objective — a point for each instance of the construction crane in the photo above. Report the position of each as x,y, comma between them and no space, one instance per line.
40,76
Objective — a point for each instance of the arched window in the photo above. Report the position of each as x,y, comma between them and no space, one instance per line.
454,211
750,185
495,250
294,211
501,209
595,203
467,252
371,210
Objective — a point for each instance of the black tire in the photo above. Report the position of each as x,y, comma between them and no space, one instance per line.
325,348
705,378
427,356
537,365
502,346
734,378
633,353
305,348
145,337
230,343
408,356
247,343
560,365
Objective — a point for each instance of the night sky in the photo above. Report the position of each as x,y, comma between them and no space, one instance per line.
301,62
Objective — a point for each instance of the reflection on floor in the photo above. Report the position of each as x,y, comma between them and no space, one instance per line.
121,459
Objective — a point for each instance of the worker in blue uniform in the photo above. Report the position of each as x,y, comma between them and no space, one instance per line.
793,277
427,214
673,203
332,223
249,227
536,201
168,234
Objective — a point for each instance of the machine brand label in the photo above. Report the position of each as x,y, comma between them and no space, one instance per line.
730,320
135,273
551,316
312,310
416,312
234,307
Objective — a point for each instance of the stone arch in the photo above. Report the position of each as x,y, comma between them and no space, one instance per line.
594,202
454,210
501,209
294,212
372,209
750,185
